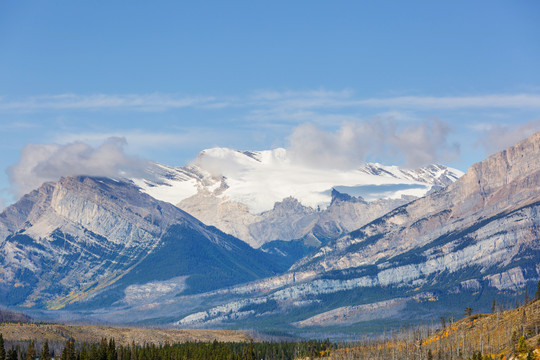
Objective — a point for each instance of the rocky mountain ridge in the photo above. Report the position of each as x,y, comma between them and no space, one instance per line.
70,240
505,184
261,196
473,241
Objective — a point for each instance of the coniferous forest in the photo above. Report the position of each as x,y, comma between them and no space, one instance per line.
108,350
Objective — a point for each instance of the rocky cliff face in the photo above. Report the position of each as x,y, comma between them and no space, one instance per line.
103,242
473,241
71,240
289,219
261,196
504,186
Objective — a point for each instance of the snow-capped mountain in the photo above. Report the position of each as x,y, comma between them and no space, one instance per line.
259,179
109,252
472,242
260,196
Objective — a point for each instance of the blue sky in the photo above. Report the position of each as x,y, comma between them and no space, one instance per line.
173,78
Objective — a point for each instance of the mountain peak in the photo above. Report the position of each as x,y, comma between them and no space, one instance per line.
475,239
249,194
491,189
337,196
488,182
66,241
259,179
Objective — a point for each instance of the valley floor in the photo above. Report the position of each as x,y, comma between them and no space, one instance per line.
58,333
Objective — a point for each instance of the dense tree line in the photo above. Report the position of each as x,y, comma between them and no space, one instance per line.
476,337
501,335
108,350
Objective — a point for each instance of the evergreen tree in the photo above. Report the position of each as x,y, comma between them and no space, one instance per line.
514,337
251,352
45,354
31,352
84,353
69,351
111,351
522,345
468,311
12,354
538,291
2,348
103,349
494,306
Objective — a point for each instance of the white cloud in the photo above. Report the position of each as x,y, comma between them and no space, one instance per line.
9,125
141,141
264,101
355,142
136,102
42,163
497,137
303,99
456,102
344,149
327,107
135,138
339,99
294,115
398,116
221,163
421,144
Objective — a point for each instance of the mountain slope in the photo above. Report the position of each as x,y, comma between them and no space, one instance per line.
82,236
504,187
480,336
477,239
259,179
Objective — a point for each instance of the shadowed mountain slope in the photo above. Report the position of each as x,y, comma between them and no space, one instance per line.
82,236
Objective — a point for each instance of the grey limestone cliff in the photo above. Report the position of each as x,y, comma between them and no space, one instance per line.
72,240
476,239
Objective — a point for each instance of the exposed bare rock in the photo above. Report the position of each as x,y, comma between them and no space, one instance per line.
348,315
504,186
69,241
479,234
289,219
262,196
230,217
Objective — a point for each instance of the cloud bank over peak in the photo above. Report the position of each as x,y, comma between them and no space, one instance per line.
354,143
498,137
40,163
